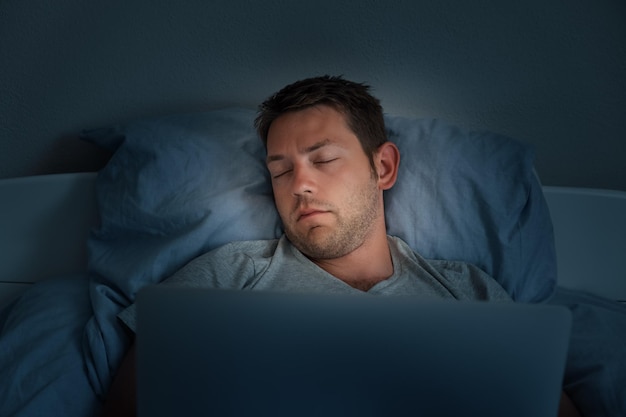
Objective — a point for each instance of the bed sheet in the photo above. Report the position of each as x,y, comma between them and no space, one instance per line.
595,374
42,365
60,344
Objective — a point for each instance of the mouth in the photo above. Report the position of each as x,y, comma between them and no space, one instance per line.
309,213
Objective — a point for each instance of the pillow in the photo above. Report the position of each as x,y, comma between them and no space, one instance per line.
176,187
473,197
180,185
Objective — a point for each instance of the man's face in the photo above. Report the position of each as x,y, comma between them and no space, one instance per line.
324,188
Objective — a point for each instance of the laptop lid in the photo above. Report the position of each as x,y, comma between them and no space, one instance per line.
244,353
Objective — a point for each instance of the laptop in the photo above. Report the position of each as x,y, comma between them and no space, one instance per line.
245,353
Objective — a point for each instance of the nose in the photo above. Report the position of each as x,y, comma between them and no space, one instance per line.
303,181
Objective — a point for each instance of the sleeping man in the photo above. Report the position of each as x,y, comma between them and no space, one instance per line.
329,161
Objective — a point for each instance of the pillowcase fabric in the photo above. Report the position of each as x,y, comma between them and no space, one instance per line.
474,197
180,185
176,187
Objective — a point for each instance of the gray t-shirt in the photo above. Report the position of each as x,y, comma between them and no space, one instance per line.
276,265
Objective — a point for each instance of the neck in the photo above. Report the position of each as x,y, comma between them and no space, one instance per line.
364,267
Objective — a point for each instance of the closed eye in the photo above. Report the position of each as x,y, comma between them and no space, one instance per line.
325,161
280,174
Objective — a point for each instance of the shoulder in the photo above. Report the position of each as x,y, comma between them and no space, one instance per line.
230,265
466,280
248,248
233,265
470,279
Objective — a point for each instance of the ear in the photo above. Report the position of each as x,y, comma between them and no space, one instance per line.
387,161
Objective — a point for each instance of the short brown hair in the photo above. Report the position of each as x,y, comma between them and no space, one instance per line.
363,112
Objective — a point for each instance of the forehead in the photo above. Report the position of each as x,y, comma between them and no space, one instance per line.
302,128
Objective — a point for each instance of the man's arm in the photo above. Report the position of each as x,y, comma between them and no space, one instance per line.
121,400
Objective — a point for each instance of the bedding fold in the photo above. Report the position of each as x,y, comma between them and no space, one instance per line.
104,340
42,367
595,373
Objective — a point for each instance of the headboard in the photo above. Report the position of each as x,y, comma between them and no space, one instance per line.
45,221
590,235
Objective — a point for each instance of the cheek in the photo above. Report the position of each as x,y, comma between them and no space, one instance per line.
282,202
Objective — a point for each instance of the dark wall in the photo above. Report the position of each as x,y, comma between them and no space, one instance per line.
548,72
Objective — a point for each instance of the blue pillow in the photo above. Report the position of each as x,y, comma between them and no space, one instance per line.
180,185
473,197
176,187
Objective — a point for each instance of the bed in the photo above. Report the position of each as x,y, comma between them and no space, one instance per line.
76,247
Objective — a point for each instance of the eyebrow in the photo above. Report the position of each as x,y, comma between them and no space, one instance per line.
308,149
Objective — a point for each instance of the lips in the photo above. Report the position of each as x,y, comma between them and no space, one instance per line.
308,213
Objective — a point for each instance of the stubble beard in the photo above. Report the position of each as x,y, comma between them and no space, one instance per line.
350,231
